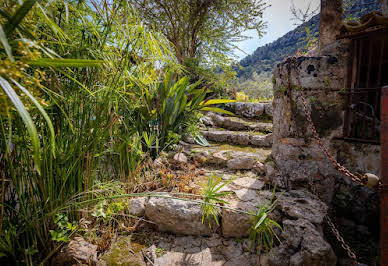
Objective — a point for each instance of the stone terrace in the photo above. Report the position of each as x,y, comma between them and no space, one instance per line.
240,154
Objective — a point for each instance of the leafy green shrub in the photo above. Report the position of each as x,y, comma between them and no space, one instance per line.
218,75
64,228
163,110
256,88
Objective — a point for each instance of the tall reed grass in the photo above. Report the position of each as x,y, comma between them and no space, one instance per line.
90,106
88,93
86,99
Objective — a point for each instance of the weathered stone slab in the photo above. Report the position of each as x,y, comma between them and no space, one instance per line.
220,154
268,109
238,138
78,250
249,110
241,163
137,206
261,127
180,158
259,168
238,124
216,135
302,204
236,224
244,259
207,121
231,249
262,140
314,250
213,241
246,194
231,123
219,158
177,216
249,183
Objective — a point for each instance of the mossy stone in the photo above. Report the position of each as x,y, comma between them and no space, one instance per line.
124,252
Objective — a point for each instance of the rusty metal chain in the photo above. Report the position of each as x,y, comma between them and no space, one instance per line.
339,238
354,176
334,230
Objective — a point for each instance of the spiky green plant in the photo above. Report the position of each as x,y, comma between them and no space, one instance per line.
262,233
162,110
211,197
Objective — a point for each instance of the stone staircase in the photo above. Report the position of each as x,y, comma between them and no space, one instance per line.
241,142
240,154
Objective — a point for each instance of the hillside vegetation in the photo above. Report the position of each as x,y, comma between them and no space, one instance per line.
255,71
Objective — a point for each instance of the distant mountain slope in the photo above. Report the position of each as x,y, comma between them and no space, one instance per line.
263,60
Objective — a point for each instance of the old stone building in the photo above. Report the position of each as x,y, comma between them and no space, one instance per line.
339,87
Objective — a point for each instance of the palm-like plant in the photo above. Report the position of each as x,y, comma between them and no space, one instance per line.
164,108
262,233
211,197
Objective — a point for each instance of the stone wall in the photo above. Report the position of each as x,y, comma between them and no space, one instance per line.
297,155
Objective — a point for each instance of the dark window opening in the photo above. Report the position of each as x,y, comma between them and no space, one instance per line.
369,73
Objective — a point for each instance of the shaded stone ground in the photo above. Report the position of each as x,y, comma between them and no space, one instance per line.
213,250
240,154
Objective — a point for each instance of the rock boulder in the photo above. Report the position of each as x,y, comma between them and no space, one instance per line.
137,206
177,216
249,110
302,204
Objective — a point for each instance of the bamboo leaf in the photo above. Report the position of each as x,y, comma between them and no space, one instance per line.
26,119
54,27
20,27
75,80
5,43
42,111
60,62
15,20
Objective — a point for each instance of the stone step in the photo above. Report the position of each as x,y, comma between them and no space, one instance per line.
300,213
232,157
166,249
238,137
252,110
236,123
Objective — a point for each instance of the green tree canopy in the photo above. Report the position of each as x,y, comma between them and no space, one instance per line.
202,29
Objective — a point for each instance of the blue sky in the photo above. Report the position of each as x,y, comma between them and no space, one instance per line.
279,21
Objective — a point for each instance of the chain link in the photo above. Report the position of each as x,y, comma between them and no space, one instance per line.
334,230
354,176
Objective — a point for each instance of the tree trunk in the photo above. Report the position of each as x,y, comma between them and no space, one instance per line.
384,7
330,21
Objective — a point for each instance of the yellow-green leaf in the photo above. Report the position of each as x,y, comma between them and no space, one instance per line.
217,110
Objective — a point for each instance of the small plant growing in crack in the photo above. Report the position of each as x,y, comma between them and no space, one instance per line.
159,252
211,197
262,233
